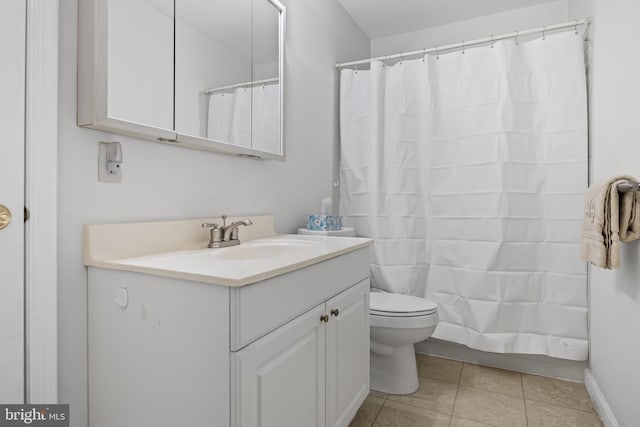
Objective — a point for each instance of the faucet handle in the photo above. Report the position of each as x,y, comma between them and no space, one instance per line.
216,235
224,220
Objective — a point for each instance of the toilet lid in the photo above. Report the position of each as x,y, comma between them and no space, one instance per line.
386,304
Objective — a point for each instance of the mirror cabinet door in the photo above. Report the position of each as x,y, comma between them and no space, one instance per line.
140,62
206,74
213,56
266,99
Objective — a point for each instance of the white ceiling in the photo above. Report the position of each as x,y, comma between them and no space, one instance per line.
379,18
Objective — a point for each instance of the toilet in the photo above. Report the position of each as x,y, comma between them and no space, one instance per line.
397,323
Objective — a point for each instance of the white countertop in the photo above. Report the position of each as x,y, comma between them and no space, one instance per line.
265,256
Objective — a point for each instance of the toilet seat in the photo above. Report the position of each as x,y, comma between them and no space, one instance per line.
404,322
397,305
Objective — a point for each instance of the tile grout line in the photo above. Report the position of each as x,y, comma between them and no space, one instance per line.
561,406
455,398
413,405
380,410
588,411
475,421
454,405
524,401
493,391
438,379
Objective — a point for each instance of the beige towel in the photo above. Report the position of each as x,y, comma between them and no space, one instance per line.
609,217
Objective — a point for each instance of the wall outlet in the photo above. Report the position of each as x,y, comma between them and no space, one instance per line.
110,162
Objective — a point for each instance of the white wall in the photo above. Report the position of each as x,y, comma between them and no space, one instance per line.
502,23
615,295
168,182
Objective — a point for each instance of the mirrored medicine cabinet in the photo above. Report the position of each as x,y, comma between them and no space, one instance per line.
203,74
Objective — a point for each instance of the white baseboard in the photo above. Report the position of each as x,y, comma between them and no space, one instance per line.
531,364
599,401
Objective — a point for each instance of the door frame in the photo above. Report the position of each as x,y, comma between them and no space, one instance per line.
41,168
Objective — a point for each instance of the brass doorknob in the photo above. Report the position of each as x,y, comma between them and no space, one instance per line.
5,216
324,318
335,312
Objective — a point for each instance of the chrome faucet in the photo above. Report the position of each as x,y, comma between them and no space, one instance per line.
227,235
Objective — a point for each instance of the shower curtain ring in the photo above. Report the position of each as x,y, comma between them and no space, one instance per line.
575,27
401,58
437,53
424,53
516,37
491,41
463,47
544,36
355,66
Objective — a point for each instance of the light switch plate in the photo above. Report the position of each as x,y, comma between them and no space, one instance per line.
110,162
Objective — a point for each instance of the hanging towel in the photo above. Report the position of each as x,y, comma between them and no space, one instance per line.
609,217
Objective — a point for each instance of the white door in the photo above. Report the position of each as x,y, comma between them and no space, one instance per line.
279,380
347,354
12,112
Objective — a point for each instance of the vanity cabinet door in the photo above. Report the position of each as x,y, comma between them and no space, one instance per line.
279,380
347,336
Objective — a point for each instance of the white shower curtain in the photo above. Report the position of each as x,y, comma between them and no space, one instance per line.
469,172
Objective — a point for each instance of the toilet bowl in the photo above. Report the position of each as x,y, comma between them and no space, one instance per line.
397,323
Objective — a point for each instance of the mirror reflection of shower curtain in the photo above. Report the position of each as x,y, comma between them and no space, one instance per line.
219,116
241,117
469,171
246,117
265,119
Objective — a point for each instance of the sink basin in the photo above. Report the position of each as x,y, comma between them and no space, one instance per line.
178,249
268,248
250,262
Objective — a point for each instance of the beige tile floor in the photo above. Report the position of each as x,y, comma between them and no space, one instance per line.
460,394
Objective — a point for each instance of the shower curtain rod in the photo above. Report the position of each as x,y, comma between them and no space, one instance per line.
466,44
237,85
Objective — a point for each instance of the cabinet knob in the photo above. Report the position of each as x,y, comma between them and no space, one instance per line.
324,318
335,312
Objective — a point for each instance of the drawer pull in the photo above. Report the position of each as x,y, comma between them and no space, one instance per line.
324,318
335,312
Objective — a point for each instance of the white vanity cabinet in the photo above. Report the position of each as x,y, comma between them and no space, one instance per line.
158,351
288,351
313,371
